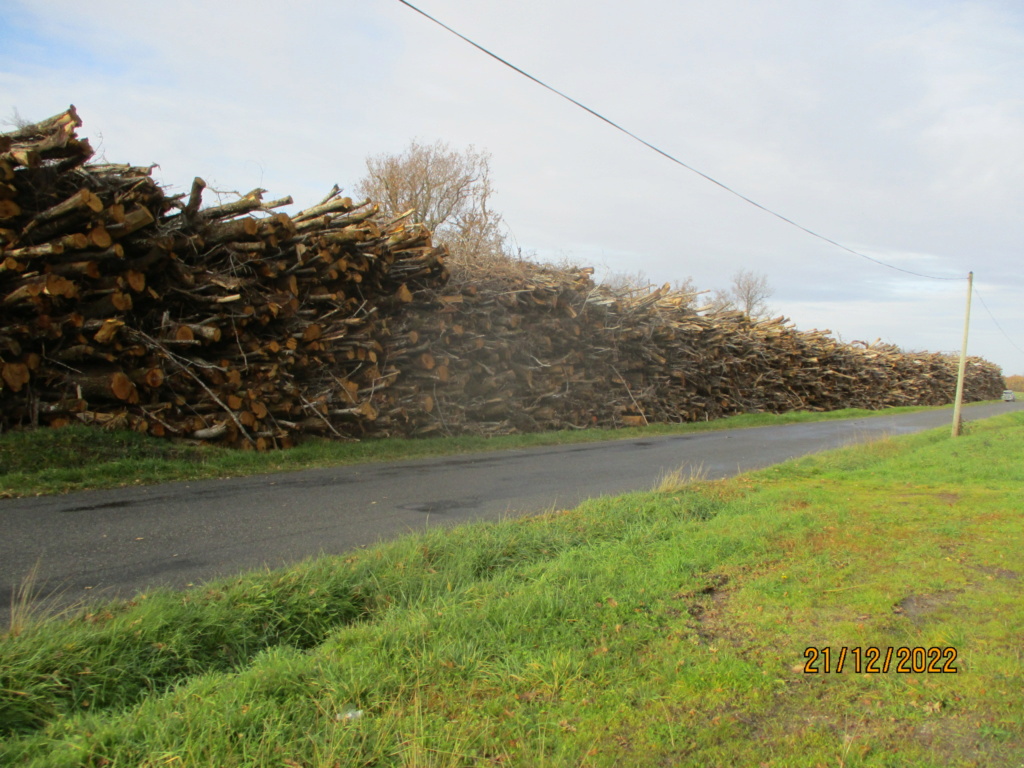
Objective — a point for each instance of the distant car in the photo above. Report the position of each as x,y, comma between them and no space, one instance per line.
1008,395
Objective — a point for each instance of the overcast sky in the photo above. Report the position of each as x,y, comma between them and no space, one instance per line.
895,127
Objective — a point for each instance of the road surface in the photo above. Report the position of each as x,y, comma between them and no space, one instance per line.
98,544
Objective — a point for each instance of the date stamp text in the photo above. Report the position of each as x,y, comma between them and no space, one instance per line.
872,660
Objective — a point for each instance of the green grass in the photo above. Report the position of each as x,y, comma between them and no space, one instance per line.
75,458
659,628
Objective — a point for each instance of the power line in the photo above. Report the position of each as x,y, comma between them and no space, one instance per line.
665,154
1012,342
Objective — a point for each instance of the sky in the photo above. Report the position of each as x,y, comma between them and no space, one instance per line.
892,127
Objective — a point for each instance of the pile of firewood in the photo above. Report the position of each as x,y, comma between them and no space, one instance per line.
125,307
540,348
122,306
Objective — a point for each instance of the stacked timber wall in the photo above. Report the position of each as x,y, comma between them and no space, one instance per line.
533,348
123,306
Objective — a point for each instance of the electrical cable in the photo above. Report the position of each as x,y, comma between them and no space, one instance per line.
668,156
1012,342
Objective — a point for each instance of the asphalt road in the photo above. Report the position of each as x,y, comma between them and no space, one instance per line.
98,544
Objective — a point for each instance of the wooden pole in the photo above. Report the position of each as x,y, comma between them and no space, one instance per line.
963,360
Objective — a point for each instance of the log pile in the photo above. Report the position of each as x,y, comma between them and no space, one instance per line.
539,348
123,306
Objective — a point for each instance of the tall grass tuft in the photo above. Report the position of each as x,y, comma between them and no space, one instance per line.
680,478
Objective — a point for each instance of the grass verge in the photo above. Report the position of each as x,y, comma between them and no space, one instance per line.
660,628
51,461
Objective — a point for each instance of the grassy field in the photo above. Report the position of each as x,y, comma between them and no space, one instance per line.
659,628
75,458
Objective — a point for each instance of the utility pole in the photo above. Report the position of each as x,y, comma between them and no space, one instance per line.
963,360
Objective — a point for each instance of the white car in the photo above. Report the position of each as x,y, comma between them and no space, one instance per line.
1008,395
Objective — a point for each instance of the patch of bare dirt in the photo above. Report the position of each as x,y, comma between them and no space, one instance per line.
705,605
1003,574
961,742
919,608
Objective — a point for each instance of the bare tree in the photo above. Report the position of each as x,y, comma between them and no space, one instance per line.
749,293
722,300
686,285
448,190
639,284
628,283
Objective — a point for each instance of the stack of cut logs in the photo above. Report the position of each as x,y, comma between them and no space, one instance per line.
123,307
545,348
